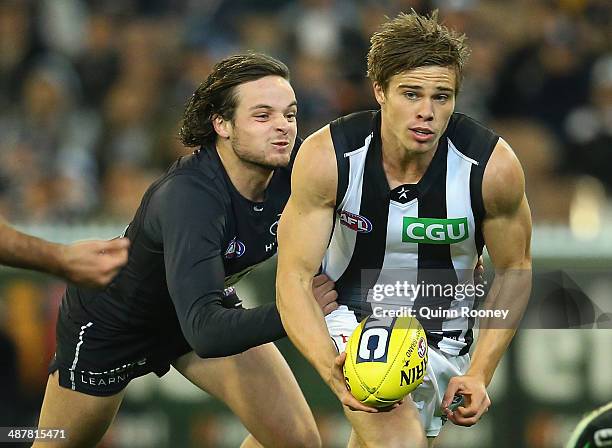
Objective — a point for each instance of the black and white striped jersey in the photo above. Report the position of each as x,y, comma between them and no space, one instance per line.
428,232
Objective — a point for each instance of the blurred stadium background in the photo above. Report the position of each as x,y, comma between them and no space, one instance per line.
91,92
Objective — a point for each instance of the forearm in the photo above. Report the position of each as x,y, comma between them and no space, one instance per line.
24,251
510,291
213,330
304,321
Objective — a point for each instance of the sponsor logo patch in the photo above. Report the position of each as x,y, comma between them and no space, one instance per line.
434,230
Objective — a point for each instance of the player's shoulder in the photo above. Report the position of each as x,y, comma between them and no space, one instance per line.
471,138
349,132
503,185
315,172
194,177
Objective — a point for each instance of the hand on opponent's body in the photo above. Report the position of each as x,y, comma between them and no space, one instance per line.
93,263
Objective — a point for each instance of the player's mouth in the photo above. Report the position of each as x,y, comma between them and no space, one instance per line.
421,134
281,144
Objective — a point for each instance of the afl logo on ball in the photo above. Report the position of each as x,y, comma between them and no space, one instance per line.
236,249
422,348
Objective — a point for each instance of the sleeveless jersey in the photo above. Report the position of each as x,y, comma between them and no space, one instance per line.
427,234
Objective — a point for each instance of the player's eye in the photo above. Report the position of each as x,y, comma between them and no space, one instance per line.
442,98
262,116
291,116
411,95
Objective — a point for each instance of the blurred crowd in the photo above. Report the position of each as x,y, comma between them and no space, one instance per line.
91,91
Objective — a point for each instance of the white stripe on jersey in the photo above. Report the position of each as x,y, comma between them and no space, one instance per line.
463,255
405,255
342,244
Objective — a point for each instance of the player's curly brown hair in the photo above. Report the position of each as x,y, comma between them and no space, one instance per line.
410,41
216,96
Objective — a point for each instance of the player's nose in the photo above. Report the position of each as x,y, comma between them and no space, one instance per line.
282,124
426,111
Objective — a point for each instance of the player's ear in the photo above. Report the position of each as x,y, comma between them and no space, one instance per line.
379,93
221,126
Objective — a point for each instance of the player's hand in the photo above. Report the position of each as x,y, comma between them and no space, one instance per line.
324,293
476,400
93,263
338,387
479,271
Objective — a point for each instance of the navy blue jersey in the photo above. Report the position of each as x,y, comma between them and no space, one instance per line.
193,235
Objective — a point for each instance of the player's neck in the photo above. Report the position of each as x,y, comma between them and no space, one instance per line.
251,180
401,165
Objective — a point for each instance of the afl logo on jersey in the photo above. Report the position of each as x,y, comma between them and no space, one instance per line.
236,249
354,222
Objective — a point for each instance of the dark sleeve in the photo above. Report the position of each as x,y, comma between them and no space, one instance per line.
190,219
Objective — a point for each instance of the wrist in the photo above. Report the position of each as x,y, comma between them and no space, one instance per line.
480,374
59,255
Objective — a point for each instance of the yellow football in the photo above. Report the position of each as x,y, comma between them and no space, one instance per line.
386,359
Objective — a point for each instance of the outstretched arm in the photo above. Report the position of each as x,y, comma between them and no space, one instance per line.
507,234
192,241
303,233
88,263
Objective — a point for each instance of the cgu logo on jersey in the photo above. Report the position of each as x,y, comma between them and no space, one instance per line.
236,249
354,222
434,230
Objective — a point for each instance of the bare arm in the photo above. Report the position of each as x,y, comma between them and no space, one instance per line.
507,234
88,263
303,233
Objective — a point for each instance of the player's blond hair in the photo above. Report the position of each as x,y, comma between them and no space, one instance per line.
410,41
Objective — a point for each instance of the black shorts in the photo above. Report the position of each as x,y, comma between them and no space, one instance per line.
96,359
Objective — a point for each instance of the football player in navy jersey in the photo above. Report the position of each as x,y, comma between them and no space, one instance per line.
203,225
416,188
88,263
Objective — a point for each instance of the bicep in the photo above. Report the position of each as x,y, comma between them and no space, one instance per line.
302,236
307,221
507,226
508,237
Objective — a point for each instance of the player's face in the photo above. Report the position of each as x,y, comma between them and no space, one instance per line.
416,107
264,127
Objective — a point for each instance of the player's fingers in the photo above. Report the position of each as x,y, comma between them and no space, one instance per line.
465,417
319,280
351,402
118,244
325,287
476,405
466,412
331,296
329,308
461,421
339,361
484,407
454,386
